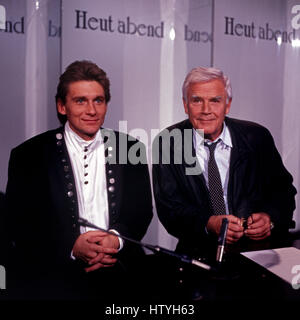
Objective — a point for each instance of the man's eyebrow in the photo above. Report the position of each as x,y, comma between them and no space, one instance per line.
78,97
217,97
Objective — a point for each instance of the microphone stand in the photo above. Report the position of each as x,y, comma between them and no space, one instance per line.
222,240
155,249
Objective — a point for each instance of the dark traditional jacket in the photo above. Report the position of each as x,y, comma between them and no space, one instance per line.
258,182
41,202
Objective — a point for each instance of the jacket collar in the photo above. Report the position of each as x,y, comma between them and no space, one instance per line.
241,148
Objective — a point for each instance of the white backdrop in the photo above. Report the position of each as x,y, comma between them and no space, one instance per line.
29,69
264,71
147,72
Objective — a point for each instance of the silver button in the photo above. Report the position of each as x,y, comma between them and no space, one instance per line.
110,148
110,155
59,143
112,180
111,188
110,172
113,204
63,160
70,194
70,186
59,136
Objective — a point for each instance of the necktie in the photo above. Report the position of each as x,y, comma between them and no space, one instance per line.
214,182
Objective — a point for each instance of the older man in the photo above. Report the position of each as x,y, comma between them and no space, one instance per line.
242,176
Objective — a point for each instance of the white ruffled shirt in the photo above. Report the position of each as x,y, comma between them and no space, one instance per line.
88,164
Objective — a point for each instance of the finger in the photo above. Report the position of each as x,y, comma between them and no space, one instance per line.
257,224
99,248
234,236
94,247
95,239
235,227
90,254
96,259
108,260
94,267
256,216
98,266
96,233
258,230
91,251
259,236
233,219
103,258
106,250
250,220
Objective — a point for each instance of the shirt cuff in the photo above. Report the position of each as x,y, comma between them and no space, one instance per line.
72,256
121,242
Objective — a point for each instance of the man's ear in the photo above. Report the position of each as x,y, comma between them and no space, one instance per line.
61,107
228,104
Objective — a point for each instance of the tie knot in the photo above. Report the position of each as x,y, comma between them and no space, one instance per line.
211,147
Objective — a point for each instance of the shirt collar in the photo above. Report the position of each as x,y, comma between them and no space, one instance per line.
224,137
81,144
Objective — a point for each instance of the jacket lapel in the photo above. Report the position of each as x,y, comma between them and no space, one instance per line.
113,172
238,157
196,181
62,182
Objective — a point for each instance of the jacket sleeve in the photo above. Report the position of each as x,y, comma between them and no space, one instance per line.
278,190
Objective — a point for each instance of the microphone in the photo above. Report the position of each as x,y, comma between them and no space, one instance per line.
222,240
155,249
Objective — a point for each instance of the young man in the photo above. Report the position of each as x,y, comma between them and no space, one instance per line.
67,173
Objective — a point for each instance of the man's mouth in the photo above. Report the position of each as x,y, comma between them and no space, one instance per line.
201,119
90,120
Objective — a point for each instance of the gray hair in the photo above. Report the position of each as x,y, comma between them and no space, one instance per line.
201,74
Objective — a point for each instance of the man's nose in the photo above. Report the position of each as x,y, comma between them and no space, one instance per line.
206,107
91,108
